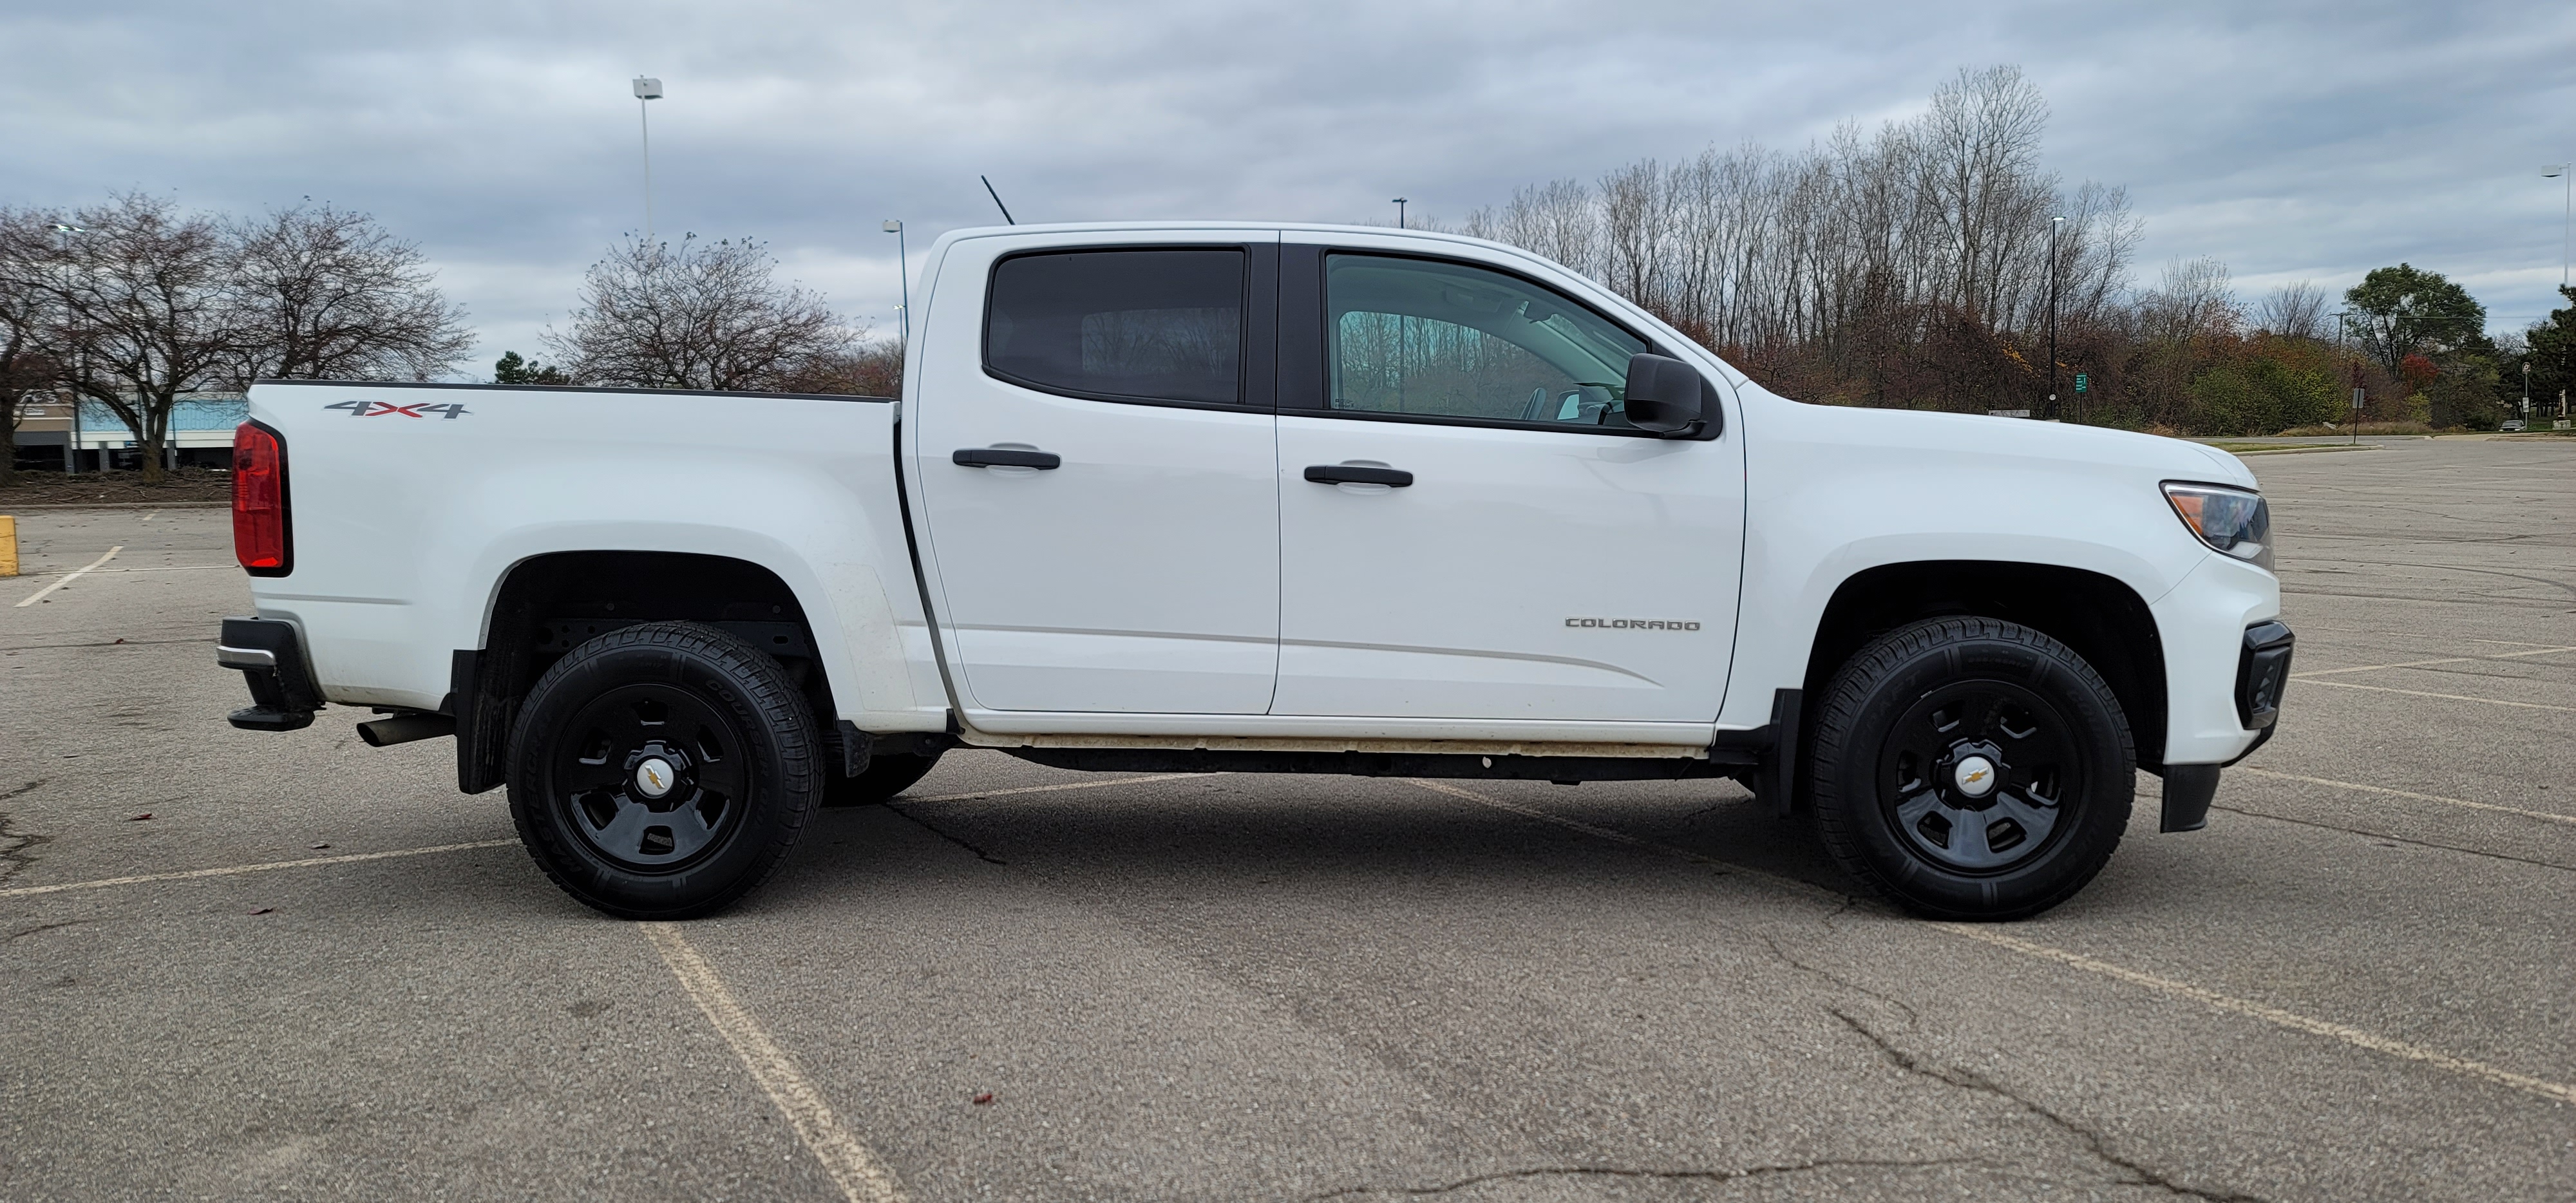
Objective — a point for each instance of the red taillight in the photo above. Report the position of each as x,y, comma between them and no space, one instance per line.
260,539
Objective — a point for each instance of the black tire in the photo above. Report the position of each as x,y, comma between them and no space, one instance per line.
727,729
885,776
1901,739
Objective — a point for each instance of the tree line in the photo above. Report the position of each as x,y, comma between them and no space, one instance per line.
1918,266
134,304
700,314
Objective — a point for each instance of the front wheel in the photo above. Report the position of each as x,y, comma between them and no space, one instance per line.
1969,768
663,770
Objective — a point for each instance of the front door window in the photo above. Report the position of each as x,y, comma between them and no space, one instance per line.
1446,340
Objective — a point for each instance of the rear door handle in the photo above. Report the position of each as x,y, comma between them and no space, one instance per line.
1354,474
1004,457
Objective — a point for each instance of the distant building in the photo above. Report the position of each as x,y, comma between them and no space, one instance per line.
201,434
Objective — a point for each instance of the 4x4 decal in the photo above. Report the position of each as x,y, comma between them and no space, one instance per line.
378,409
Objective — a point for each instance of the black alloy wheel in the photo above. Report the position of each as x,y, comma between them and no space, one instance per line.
650,777
1969,768
1972,775
661,771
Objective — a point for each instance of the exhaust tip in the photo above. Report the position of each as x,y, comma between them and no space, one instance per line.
404,728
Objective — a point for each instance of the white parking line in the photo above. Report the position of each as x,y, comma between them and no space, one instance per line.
2381,789
854,1166
2372,668
40,593
2356,1037
170,568
235,870
2418,693
2346,1033
352,858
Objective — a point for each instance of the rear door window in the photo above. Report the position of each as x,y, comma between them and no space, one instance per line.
1121,325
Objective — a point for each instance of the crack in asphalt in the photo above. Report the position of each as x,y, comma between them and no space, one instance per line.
1913,1018
26,932
1605,1171
927,825
2095,1142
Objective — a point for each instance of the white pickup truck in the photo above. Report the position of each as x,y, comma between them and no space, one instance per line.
1261,498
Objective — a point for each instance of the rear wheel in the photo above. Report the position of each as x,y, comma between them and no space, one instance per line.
1969,768
663,770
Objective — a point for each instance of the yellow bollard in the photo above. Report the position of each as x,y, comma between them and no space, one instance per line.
8,545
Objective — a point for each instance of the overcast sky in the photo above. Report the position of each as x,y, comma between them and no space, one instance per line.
2293,141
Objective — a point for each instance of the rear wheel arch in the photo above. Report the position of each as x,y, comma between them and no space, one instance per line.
547,604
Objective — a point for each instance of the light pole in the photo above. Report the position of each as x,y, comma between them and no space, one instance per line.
2567,213
2053,224
903,272
2343,319
1399,212
80,352
647,90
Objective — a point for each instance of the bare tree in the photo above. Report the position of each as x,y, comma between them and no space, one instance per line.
2196,300
2294,311
146,290
709,315
29,324
1984,188
326,294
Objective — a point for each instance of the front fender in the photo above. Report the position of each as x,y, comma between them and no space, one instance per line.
1834,492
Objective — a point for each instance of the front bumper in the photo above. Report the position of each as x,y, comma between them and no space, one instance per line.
2262,674
270,659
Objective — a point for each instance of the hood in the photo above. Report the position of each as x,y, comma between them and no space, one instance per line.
1974,437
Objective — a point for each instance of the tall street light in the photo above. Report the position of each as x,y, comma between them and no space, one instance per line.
2054,224
903,271
1399,203
2567,212
80,371
2343,322
647,90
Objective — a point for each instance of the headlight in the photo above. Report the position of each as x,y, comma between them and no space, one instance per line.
2233,522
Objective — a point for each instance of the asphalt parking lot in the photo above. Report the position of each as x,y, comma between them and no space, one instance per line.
315,971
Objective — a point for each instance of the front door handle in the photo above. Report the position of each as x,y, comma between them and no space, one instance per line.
1005,457
1354,474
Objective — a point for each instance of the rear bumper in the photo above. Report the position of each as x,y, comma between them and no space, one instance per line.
2262,673
270,659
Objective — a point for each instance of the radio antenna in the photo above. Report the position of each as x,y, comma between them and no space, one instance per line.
997,201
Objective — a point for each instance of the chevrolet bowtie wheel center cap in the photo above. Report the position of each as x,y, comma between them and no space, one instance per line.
1975,776
655,777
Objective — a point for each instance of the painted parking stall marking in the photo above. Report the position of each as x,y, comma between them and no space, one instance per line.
854,1167
2559,1092
68,578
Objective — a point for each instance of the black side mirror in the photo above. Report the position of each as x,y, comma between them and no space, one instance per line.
1664,394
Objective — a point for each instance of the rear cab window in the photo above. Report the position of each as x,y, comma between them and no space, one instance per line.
1155,325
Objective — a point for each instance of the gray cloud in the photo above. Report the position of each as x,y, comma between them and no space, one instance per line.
2295,142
